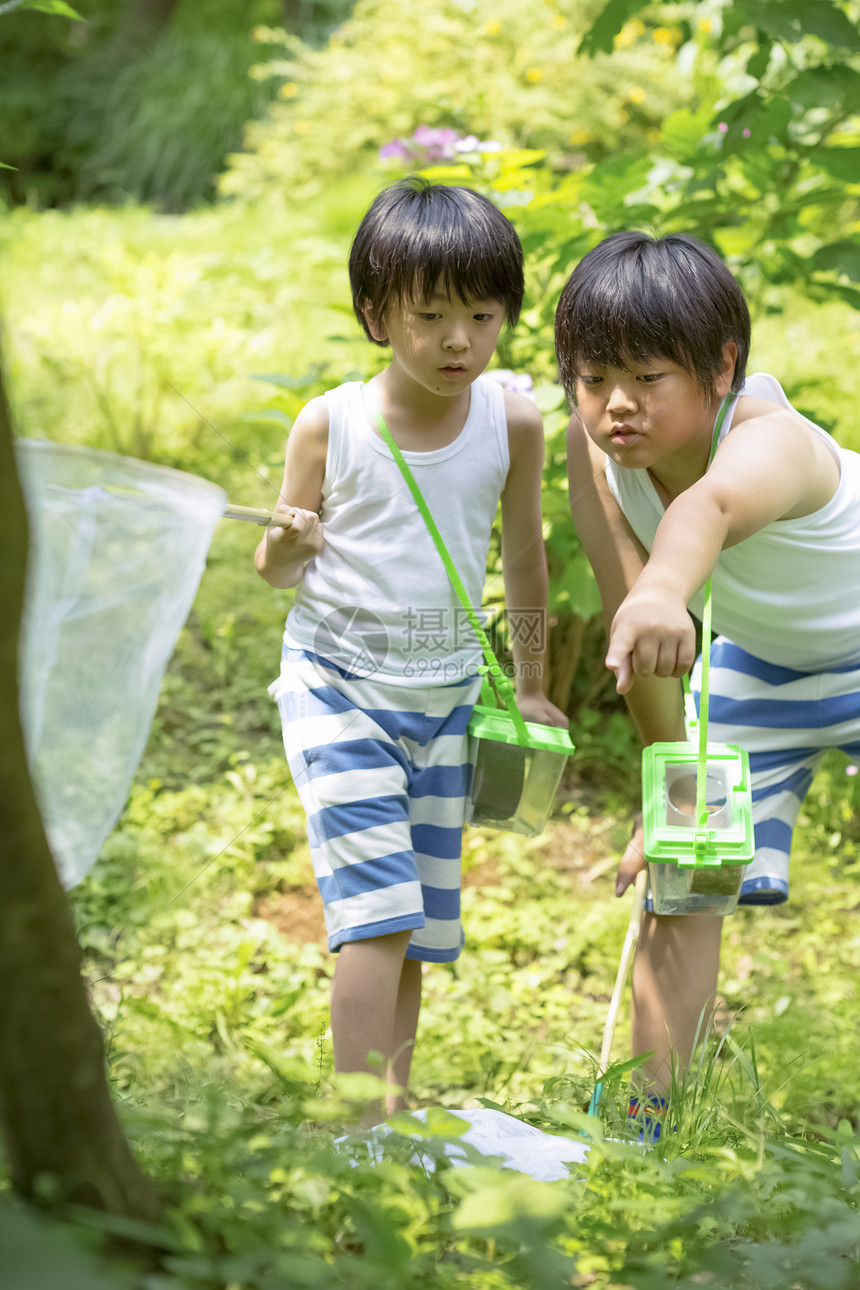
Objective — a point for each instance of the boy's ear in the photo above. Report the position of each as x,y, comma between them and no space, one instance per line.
375,325
727,372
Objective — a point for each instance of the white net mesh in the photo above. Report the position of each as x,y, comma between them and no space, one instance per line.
117,549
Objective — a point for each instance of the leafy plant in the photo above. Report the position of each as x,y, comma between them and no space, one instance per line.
491,68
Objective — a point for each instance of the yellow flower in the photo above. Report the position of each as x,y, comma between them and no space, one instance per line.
637,95
533,75
580,136
705,24
289,90
301,127
559,22
654,136
666,35
630,33
623,117
493,27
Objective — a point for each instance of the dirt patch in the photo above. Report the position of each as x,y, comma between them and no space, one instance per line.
582,850
297,914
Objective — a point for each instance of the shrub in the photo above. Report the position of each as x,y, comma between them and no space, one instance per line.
495,68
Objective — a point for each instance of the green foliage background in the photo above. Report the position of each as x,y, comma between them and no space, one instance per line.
145,333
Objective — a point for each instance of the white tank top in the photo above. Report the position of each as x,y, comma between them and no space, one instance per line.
790,594
377,599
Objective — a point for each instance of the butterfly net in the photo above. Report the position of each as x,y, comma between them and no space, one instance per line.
117,549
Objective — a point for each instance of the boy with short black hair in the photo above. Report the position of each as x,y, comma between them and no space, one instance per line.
652,335
379,669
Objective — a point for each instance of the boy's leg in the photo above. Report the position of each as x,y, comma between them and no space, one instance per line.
405,1030
364,1001
765,709
674,985
351,772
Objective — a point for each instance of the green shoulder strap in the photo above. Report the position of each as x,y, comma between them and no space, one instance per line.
503,685
702,763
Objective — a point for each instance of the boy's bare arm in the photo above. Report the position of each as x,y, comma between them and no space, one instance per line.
617,559
286,548
769,468
524,559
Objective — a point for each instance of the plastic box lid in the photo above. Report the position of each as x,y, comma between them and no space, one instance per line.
689,845
496,723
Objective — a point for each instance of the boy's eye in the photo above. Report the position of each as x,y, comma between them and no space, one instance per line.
428,317
483,317
650,377
590,380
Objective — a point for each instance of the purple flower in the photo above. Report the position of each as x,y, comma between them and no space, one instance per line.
396,148
851,770
439,141
722,127
747,132
521,382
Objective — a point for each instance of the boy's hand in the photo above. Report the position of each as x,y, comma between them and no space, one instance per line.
537,707
652,634
633,859
293,536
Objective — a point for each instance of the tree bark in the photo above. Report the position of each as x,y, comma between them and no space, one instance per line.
564,654
61,1135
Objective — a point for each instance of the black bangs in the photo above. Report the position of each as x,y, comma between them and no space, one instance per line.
420,239
634,298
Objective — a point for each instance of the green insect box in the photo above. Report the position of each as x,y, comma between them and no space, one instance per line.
515,771
696,866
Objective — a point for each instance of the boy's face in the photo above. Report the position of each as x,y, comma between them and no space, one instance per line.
646,414
442,344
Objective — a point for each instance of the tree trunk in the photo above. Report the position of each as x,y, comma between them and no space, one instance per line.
61,1135
565,650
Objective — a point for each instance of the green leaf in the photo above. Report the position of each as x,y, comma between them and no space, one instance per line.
836,86
850,295
757,65
841,257
58,7
683,131
842,163
522,157
612,17
495,1207
791,20
269,414
437,174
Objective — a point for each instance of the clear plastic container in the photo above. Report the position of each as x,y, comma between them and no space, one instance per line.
514,785
696,870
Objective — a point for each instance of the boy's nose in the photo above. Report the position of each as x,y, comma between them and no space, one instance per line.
620,400
456,340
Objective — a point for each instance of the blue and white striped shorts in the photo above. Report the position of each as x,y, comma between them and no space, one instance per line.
382,771
786,720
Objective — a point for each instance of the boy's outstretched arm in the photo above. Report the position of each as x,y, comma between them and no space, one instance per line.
524,560
286,548
771,467
618,559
